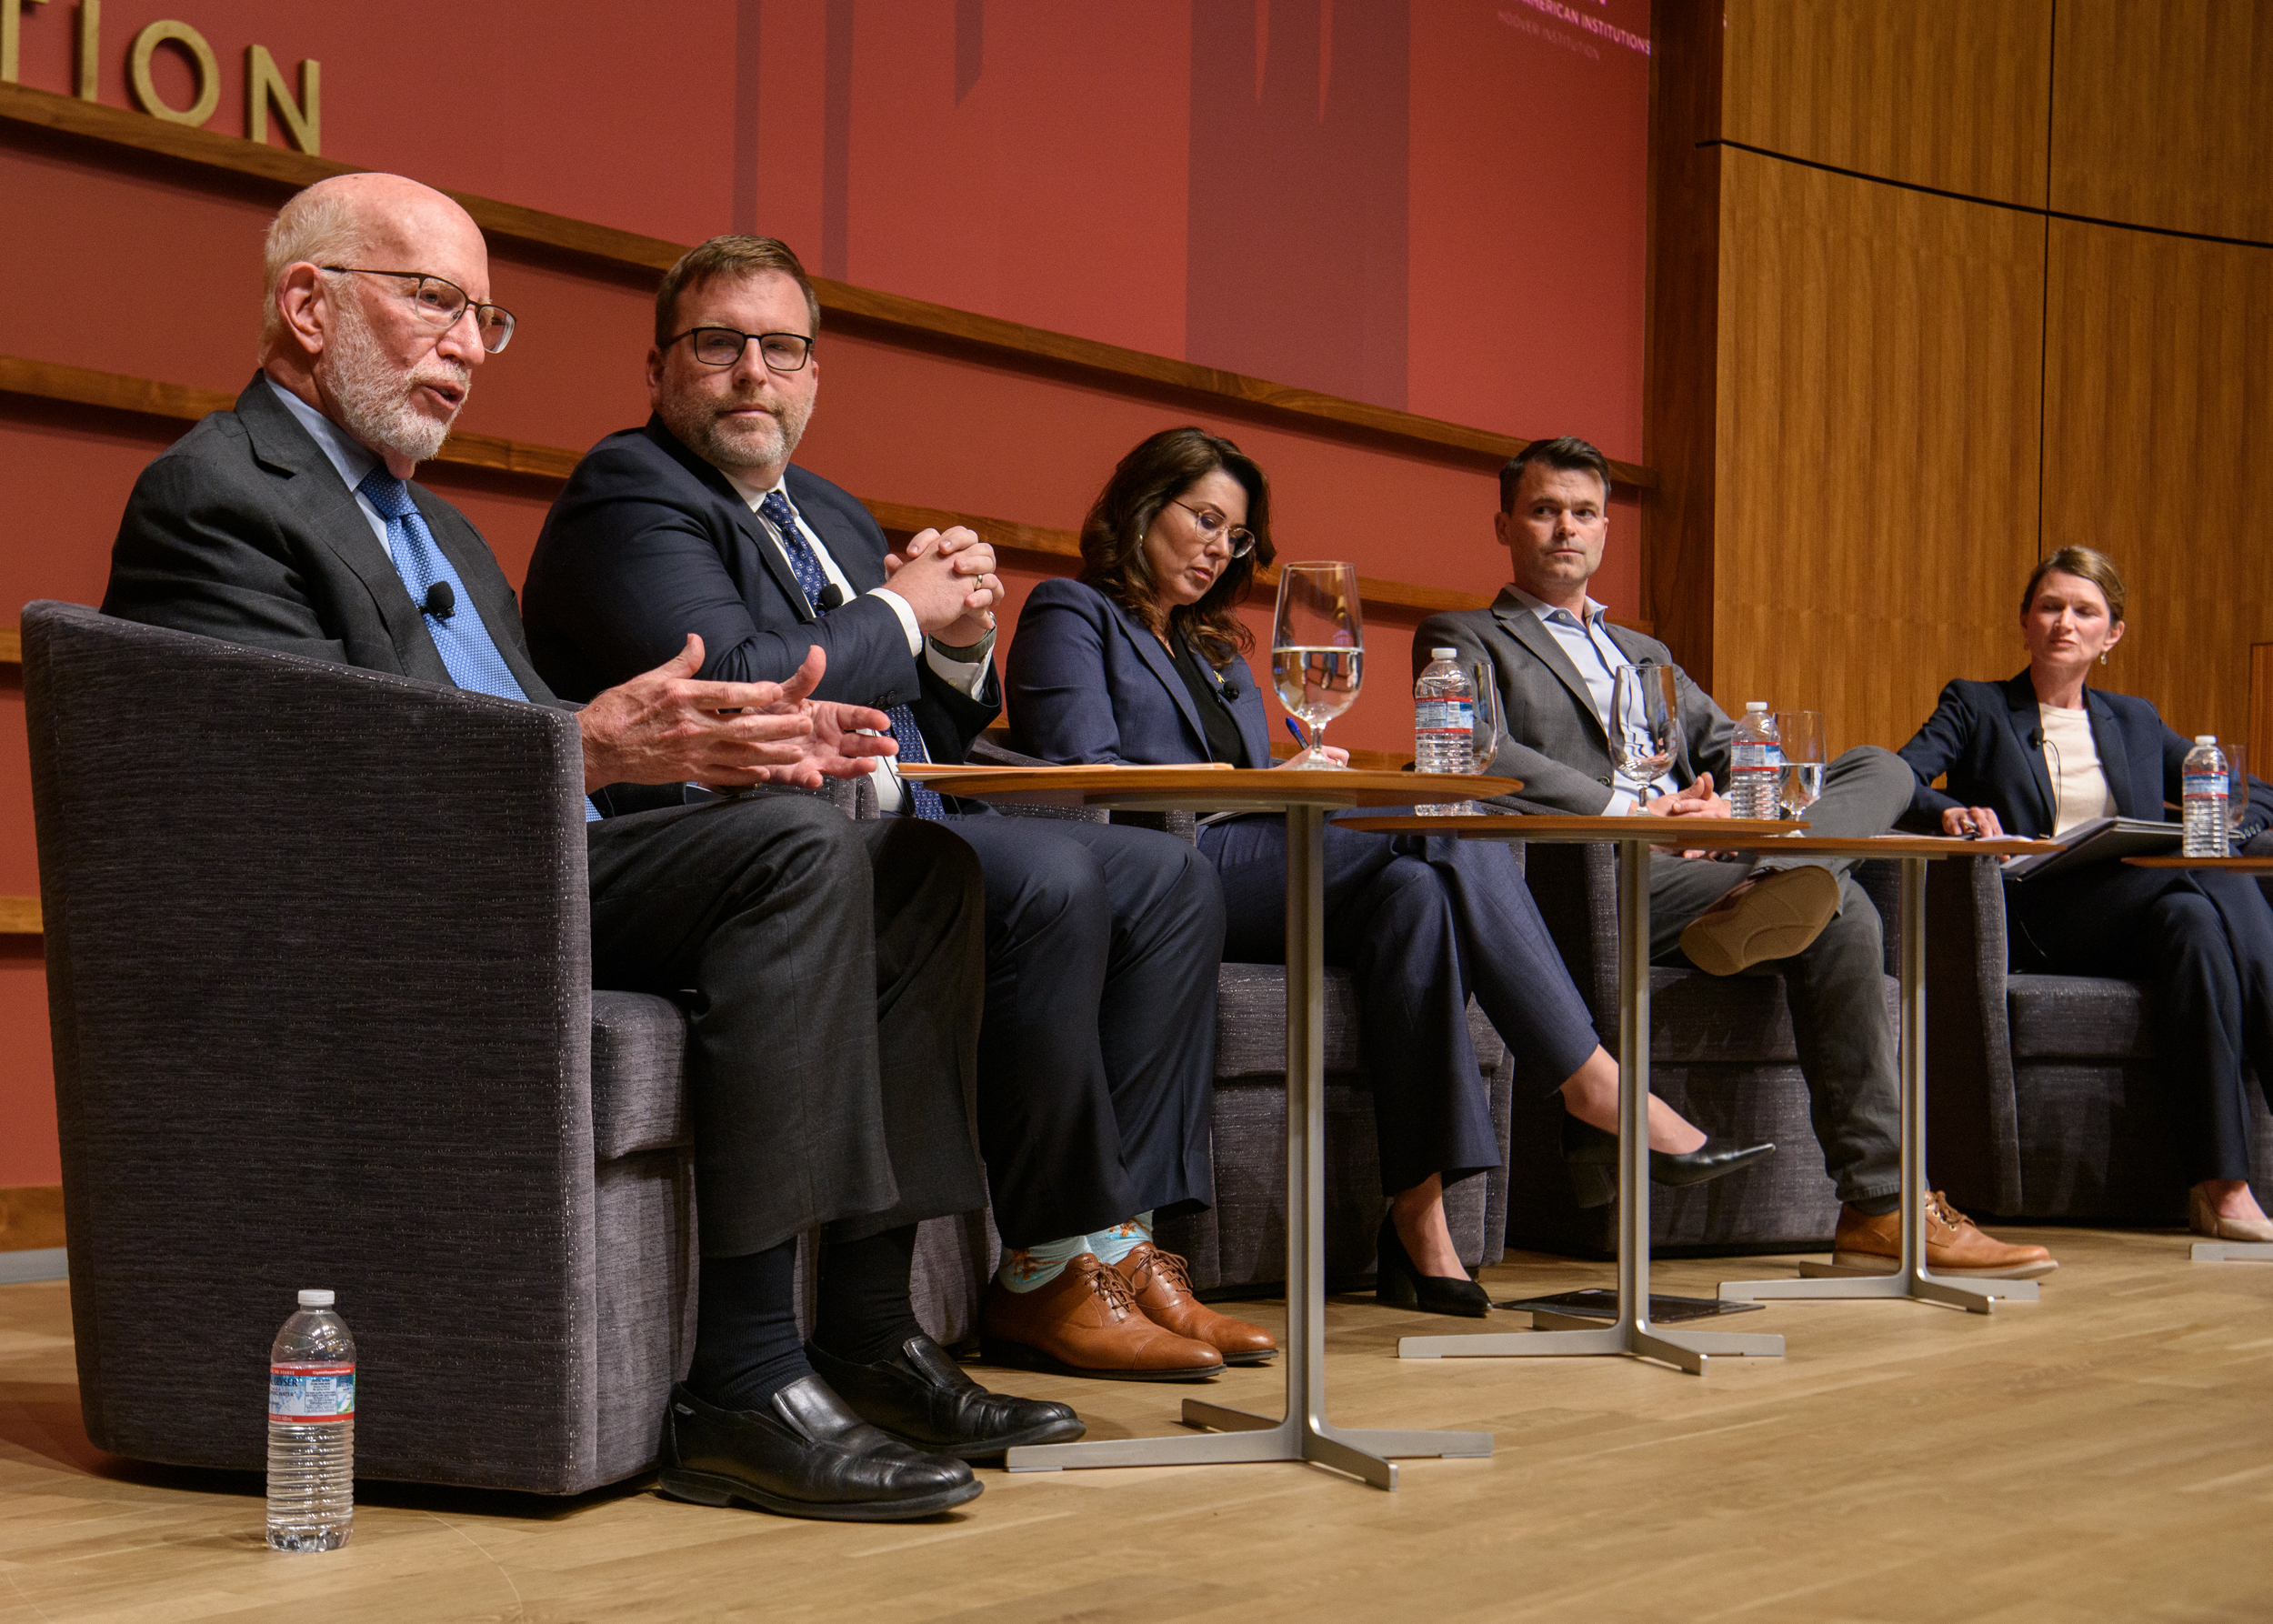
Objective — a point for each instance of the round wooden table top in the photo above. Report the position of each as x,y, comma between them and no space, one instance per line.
1699,833
1204,788
2260,865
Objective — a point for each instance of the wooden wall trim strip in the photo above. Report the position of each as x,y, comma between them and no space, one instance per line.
857,309
20,915
82,386
31,1217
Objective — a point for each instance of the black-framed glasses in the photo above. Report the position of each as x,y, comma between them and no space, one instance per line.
440,301
1213,526
723,347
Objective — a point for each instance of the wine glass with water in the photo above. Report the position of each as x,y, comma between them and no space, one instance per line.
1317,649
1802,782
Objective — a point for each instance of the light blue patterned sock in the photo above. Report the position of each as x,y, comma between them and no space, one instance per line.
1113,1245
1028,1269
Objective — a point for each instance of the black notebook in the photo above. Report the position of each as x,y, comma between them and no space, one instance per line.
2100,840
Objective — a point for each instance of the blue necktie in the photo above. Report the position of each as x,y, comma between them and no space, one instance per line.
814,580
461,638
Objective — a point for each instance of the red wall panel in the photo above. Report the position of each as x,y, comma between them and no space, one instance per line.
1049,164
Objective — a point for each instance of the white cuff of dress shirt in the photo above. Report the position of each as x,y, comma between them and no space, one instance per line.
966,677
908,617
1624,803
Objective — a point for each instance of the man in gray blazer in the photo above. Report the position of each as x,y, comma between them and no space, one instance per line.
836,966
1554,656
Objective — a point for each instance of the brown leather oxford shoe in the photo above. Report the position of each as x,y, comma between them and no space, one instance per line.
1085,1322
1161,1283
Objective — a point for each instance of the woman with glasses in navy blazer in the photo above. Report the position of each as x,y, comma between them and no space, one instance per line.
1142,660
2042,752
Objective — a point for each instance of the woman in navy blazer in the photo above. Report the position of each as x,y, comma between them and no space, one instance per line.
2042,752
1142,660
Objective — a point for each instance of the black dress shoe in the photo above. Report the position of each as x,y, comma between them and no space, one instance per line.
1593,1156
805,1455
921,1396
1401,1286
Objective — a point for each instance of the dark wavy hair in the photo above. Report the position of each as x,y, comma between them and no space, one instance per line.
1112,537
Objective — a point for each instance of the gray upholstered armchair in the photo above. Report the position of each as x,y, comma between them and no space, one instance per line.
2045,1100
320,992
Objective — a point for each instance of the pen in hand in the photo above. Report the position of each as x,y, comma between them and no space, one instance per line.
1300,743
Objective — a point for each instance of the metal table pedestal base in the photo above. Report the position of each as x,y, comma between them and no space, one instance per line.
1632,1335
2233,1251
1303,1434
1908,1279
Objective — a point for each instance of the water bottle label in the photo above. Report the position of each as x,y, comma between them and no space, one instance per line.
311,1392
1756,756
1443,716
2198,784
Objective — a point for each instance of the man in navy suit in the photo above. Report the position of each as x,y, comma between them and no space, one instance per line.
1096,1047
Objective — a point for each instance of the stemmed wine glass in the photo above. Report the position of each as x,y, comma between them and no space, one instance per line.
1317,650
1648,711
1801,786
2237,786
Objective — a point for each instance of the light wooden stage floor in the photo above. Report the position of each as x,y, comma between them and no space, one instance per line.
2106,1453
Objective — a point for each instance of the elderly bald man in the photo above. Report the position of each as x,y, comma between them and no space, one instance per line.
839,965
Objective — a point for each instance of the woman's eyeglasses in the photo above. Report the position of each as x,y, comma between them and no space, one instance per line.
1213,526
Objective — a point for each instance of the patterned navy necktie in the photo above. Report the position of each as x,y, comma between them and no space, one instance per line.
471,654
814,580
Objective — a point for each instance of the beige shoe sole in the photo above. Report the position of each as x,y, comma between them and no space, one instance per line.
1879,1263
1783,912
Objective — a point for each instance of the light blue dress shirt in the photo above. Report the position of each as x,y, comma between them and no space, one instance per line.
1598,660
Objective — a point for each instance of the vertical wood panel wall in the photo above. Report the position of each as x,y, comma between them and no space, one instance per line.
1959,325
1876,493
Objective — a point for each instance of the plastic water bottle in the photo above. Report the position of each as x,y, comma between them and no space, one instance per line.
312,1429
2203,795
1756,764
1443,724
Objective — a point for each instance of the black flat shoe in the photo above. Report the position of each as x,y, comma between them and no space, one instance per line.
921,1396
805,1455
1593,1156
1401,1286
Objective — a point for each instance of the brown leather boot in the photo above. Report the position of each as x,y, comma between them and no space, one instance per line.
1162,1284
1953,1246
1085,1322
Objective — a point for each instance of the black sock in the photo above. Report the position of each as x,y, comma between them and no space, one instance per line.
866,1313
746,1328
1877,1206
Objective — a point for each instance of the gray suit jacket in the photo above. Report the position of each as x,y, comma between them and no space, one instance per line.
1555,740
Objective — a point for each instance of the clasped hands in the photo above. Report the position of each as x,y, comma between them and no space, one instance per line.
664,726
948,578
1696,800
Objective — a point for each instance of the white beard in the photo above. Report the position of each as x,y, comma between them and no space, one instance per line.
374,394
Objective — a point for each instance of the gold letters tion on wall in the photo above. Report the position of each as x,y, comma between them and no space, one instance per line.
264,82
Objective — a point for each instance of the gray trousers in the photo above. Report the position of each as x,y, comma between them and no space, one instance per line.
1835,988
